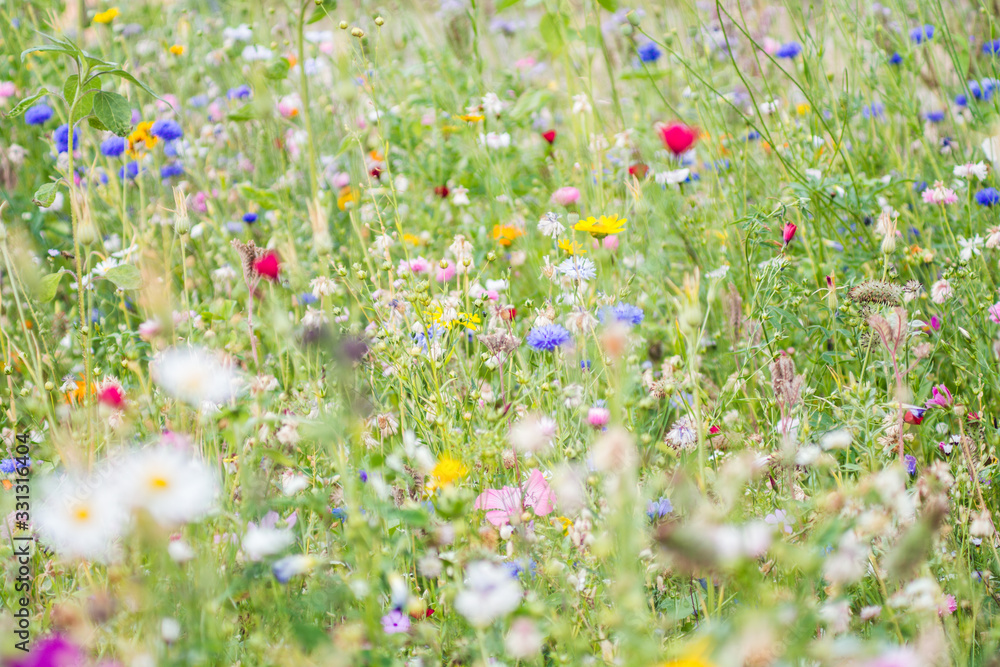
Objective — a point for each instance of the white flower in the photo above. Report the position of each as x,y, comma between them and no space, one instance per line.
79,519
532,433
170,630
490,593
977,169
494,140
581,104
682,435
719,273
838,439
261,542
241,33
671,177
970,247
172,486
180,551
194,375
459,196
293,482
991,148
578,268
252,52
524,640
550,226
322,286
492,104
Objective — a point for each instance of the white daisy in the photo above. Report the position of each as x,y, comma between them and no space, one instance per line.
194,375
78,519
172,486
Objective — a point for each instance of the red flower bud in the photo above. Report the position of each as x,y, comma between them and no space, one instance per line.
788,233
549,136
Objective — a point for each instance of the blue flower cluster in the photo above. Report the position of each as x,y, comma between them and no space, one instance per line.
547,337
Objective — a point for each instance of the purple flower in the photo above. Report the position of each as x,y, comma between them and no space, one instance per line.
168,130
939,399
779,518
113,146
623,312
649,52
789,50
657,509
61,137
911,464
988,197
548,337
51,651
395,621
922,33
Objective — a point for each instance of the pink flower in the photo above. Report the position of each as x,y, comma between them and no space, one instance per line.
938,399
941,291
939,194
949,607
525,63
502,504
149,329
610,242
415,266
598,417
446,273
788,232
995,313
566,196
8,89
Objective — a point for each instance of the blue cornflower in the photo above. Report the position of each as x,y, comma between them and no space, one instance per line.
934,116
363,476
38,114
168,130
753,135
171,170
585,364
922,33
988,197
518,567
307,297
61,137
961,100
657,509
992,48
8,466
547,337
113,146
895,59
789,50
623,312
130,170
911,464
649,52
920,186
199,101
238,93
339,513
249,218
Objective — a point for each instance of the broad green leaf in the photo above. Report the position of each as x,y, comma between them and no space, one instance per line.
551,27
610,5
69,88
96,123
49,286
125,276
45,195
318,14
114,112
505,4
26,104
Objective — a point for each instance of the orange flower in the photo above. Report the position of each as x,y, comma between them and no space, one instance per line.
141,135
177,50
506,234
77,395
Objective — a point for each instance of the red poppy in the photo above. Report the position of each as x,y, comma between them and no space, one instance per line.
678,137
441,191
549,136
268,265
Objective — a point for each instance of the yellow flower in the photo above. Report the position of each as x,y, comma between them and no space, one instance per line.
601,227
695,656
470,117
106,16
571,248
141,139
447,471
506,234
412,239
346,196
177,50
468,320
566,523
802,108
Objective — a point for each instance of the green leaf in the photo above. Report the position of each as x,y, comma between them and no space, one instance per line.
262,197
45,195
96,123
49,286
506,4
69,88
114,112
55,48
277,70
26,103
318,14
243,114
85,104
125,276
122,74
610,5
551,27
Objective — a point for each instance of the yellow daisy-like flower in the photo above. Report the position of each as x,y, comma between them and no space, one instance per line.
695,656
107,16
471,117
606,225
177,50
446,472
802,108
571,248
412,239
141,139
565,522
470,321
506,234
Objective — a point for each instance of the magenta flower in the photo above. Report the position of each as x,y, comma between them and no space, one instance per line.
939,399
995,313
395,621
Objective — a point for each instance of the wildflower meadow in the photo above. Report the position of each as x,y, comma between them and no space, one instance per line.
500,333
